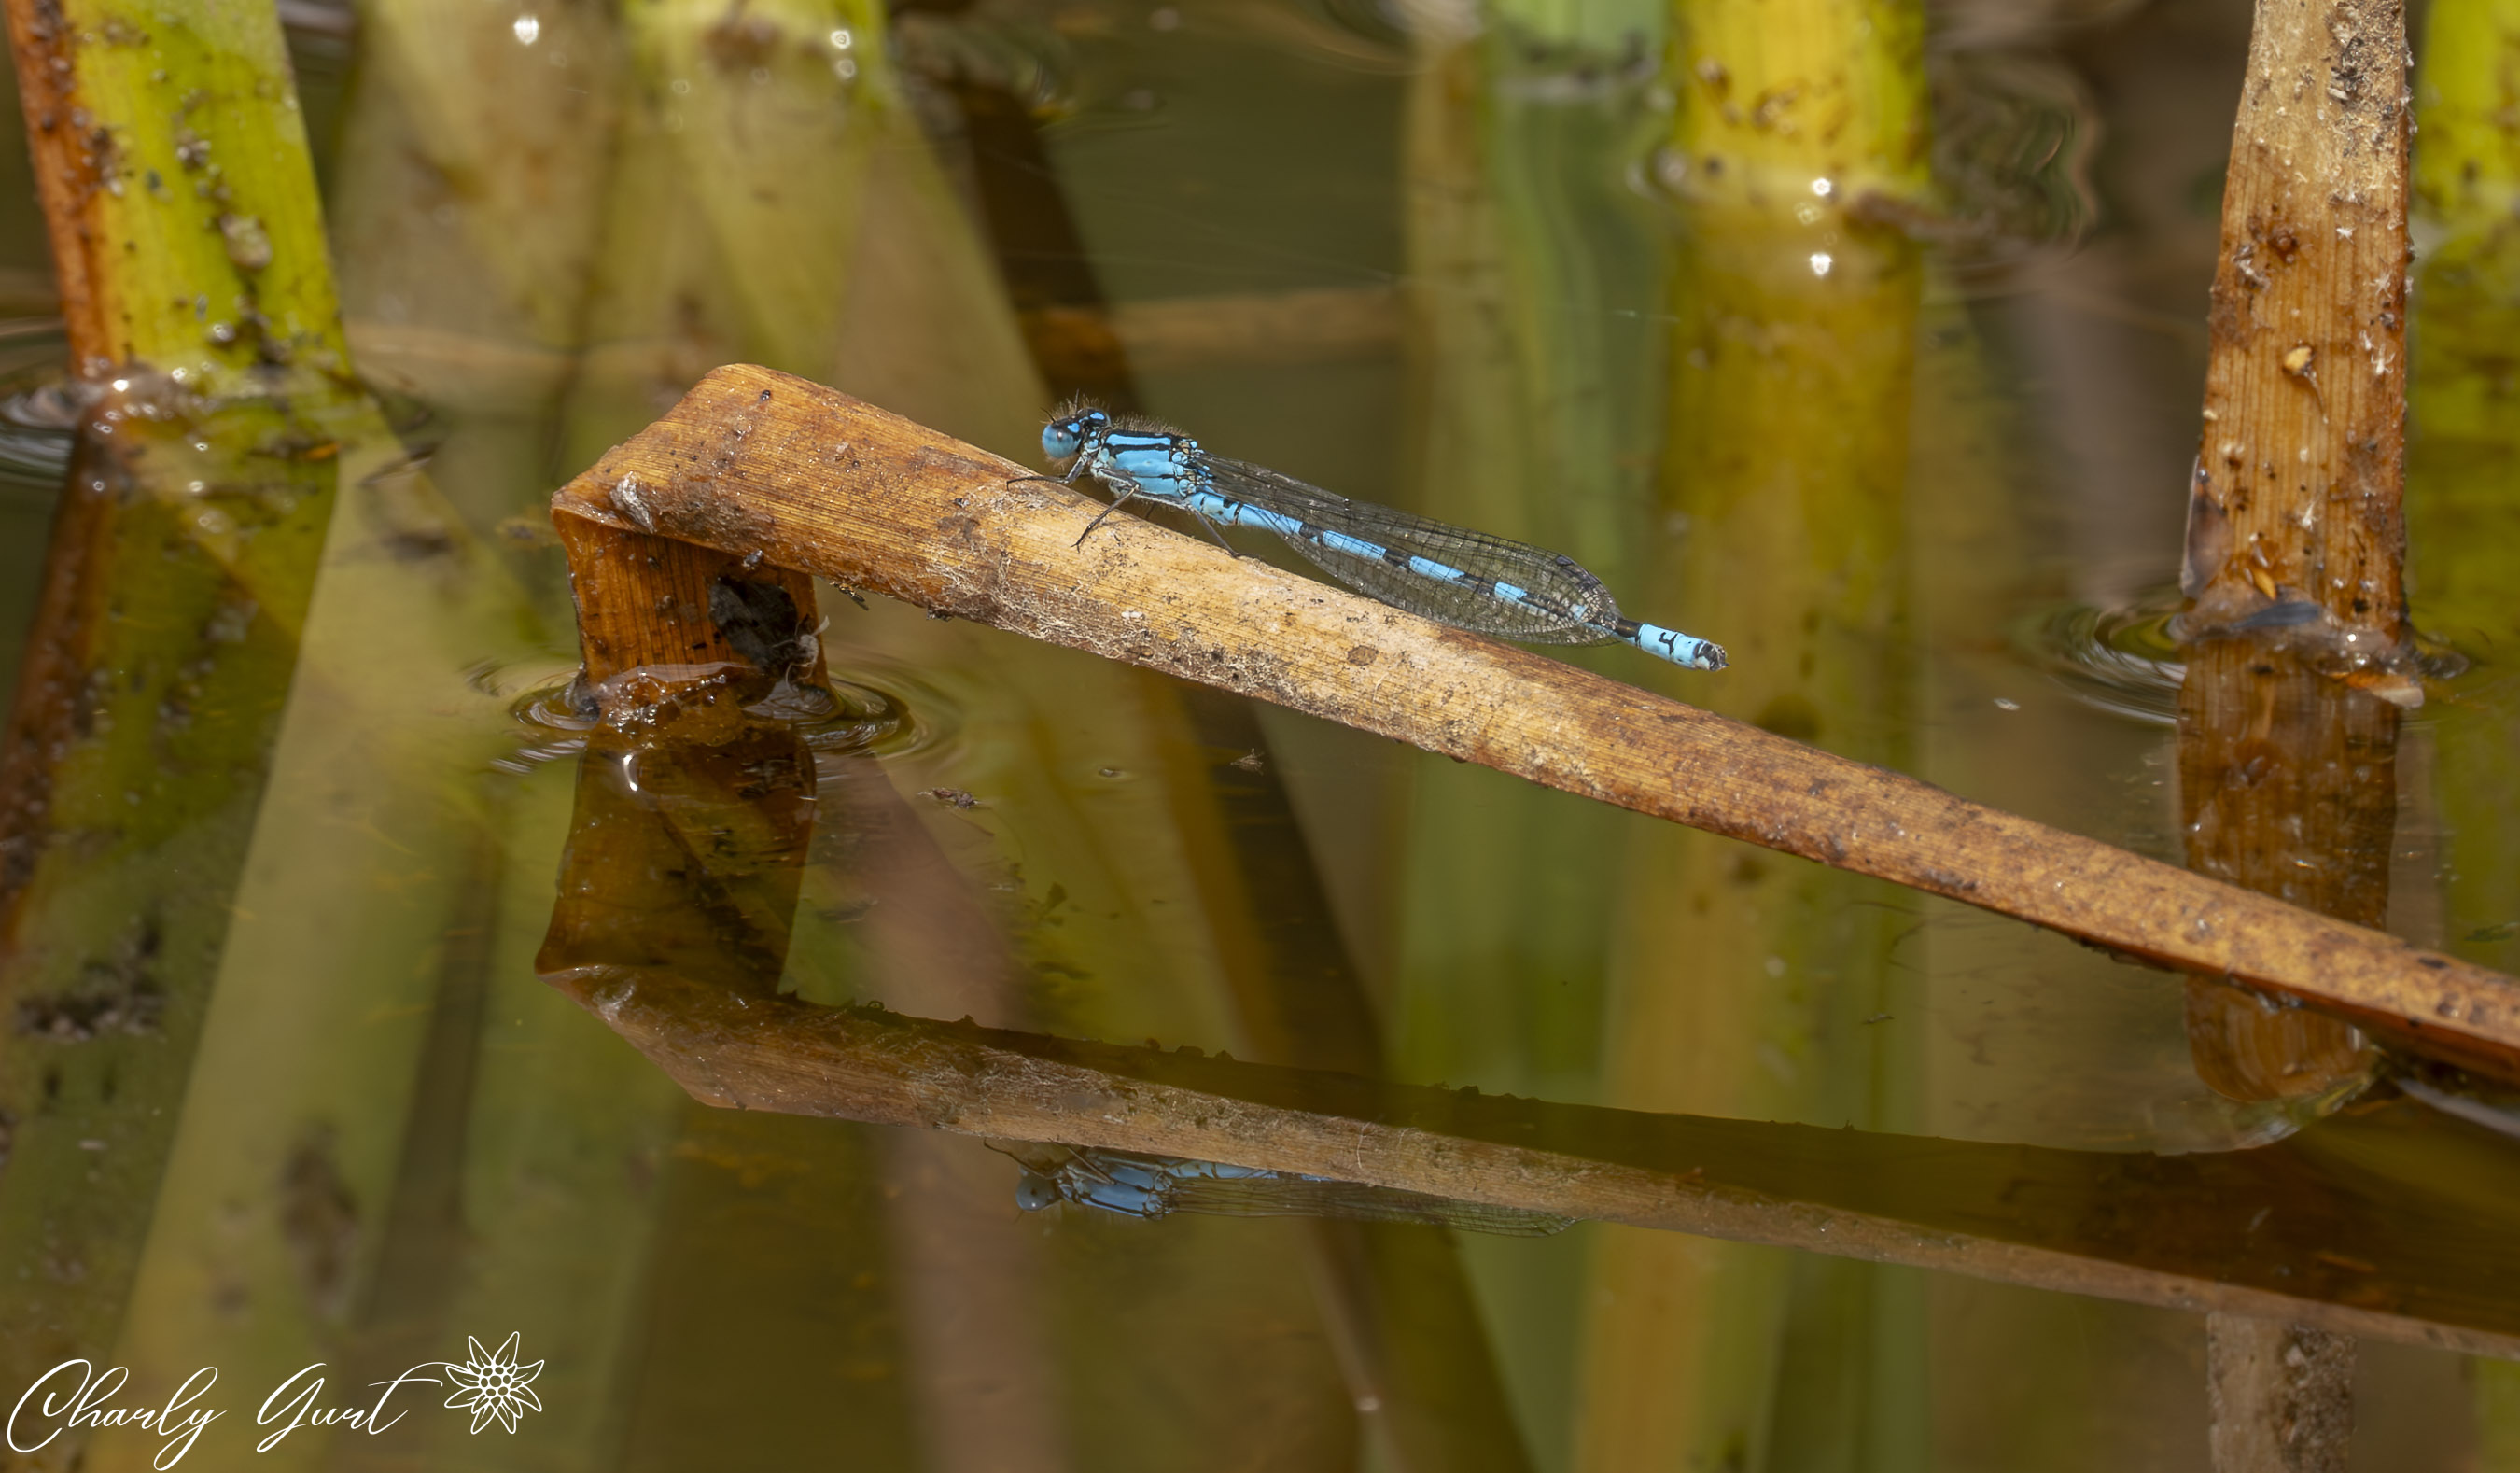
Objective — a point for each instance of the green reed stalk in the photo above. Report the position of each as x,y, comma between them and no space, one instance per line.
1745,979
2464,492
230,909
187,235
2464,442
2463,450
190,260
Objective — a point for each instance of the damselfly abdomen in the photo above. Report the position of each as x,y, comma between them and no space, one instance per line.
1470,580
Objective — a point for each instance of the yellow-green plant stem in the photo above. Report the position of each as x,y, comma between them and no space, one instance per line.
171,160
1744,981
190,256
2463,451
2463,491
2463,440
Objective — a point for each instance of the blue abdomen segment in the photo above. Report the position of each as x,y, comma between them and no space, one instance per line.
1683,650
1231,512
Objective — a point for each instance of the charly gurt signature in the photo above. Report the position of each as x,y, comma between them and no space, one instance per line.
75,1396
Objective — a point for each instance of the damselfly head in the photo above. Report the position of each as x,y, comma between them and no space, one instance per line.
1075,426
1033,1193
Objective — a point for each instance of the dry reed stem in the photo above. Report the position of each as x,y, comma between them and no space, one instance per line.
2296,533
814,480
2295,528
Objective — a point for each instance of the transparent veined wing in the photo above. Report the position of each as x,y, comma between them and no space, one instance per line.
1562,603
1282,1195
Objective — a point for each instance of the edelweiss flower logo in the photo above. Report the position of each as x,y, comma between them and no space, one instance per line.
494,1385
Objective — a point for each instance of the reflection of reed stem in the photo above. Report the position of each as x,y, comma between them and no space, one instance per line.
2145,1229
2287,784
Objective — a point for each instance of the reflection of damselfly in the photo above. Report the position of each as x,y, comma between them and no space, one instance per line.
1470,580
1150,1187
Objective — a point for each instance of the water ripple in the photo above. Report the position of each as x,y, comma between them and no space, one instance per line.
554,714
2125,660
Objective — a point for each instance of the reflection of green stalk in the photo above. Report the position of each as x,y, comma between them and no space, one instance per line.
2464,492
1747,978
2463,473
139,749
1535,419
1535,422
466,231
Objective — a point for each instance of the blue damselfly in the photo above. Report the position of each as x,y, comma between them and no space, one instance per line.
1470,580
1130,1184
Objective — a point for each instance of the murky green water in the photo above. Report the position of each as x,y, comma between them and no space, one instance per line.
1432,268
